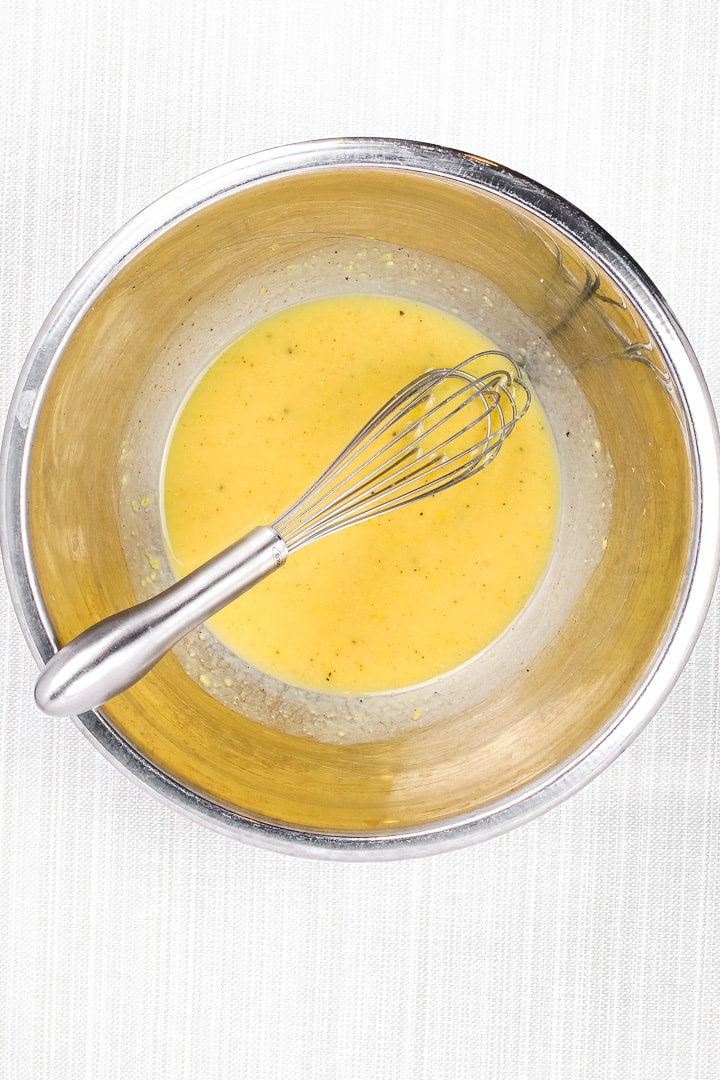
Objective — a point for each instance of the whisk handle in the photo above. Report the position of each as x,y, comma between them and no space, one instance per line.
113,654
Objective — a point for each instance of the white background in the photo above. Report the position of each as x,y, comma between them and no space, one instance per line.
134,944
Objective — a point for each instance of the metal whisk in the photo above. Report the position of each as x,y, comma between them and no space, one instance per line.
441,428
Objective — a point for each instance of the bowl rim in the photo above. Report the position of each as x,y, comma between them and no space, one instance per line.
436,162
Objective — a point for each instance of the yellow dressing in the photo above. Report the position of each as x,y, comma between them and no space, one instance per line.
395,601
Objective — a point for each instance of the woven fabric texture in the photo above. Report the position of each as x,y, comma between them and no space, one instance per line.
136,944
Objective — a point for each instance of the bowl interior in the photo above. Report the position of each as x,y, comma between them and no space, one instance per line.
587,641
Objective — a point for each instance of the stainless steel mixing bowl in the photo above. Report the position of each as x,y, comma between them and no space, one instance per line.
600,644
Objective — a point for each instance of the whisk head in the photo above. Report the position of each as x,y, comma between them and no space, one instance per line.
441,428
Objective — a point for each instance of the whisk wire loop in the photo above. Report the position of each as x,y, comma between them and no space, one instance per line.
427,437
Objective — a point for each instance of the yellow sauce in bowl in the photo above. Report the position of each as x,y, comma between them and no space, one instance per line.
397,600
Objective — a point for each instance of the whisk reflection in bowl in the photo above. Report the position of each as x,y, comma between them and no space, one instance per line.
444,426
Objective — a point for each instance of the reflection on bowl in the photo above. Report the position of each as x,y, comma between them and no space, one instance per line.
602,640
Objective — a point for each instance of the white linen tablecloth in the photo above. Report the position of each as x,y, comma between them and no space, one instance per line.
136,944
